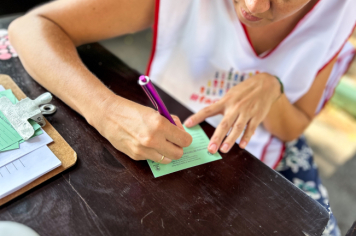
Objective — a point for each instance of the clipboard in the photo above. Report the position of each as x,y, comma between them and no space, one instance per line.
59,146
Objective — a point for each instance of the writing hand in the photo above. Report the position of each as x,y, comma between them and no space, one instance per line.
141,132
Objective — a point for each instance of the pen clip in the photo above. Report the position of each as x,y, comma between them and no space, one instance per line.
150,97
144,82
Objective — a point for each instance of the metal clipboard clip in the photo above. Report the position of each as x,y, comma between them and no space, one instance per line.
18,114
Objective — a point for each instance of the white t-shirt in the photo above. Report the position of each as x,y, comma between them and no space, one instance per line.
201,50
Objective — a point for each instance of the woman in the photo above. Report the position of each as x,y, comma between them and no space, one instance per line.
265,67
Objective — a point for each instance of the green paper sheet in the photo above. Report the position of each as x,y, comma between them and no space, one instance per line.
12,147
9,138
194,155
36,127
17,145
8,93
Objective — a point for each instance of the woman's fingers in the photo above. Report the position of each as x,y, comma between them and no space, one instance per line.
237,129
177,136
204,113
220,132
163,152
157,157
144,153
165,130
178,122
250,129
170,150
167,150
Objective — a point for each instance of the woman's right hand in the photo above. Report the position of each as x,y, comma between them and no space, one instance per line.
139,131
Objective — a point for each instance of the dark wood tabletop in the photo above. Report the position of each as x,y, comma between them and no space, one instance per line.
107,193
352,230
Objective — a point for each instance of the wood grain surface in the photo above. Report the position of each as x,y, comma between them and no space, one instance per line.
107,193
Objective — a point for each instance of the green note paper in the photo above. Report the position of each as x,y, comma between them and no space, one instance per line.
12,147
194,155
36,128
9,138
8,93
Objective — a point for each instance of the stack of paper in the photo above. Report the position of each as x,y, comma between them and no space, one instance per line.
21,162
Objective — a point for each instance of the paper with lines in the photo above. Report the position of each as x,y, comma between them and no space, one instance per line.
26,169
25,147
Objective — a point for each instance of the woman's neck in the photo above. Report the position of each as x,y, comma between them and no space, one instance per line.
268,37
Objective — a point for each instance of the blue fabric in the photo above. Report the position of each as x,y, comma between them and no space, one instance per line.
298,167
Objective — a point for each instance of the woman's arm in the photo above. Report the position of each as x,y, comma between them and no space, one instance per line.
46,41
288,121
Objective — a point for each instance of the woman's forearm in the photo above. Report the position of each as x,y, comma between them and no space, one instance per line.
46,41
50,57
286,121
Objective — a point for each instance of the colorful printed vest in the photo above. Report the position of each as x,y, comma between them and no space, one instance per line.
201,50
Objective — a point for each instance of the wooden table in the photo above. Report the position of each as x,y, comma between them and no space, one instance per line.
107,193
352,230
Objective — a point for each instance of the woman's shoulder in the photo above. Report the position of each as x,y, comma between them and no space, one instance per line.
335,10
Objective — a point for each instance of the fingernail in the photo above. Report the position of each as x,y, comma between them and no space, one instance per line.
212,148
188,122
225,147
243,144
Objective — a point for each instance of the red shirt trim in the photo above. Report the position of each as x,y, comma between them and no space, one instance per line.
155,32
280,156
332,94
273,49
264,151
337,53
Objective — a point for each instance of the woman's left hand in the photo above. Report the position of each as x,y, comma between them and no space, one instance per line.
246,104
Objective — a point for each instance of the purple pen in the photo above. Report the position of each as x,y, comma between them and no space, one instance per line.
152,94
